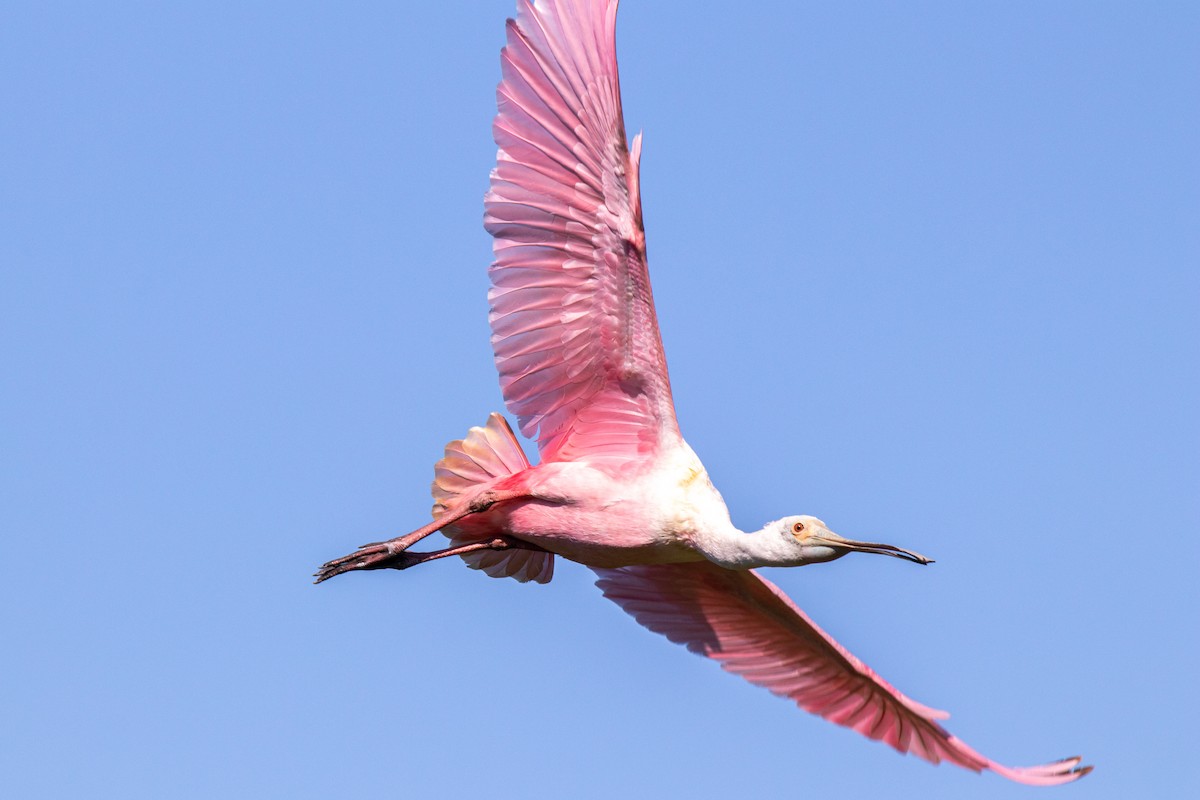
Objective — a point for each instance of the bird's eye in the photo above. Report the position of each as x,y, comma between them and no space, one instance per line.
798,527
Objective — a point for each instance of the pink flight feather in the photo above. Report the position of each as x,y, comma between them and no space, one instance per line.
751,627
573,324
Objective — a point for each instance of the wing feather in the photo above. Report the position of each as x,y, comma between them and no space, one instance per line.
752,629
573,324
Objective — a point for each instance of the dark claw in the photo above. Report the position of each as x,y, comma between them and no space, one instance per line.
379,555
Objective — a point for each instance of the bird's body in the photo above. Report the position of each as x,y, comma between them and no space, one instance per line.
582,367
654,512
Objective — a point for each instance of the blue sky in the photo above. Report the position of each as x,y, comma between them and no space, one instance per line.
928,271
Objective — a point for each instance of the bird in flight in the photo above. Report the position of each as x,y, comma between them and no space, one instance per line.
582,368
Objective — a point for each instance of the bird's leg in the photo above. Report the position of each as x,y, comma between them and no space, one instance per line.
406,559
495,543
389,554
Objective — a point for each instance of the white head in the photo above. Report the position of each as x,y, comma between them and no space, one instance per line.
807,540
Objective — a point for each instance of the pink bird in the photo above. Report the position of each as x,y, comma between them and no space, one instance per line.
581,366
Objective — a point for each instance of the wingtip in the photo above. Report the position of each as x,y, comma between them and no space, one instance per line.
1075,770
1066,770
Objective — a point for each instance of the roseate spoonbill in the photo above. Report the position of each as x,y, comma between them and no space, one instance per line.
581,366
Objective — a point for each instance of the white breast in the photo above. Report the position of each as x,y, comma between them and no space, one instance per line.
688,503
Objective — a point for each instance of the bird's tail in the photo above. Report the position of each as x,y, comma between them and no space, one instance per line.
470,466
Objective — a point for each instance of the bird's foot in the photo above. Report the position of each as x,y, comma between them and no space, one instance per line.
385,555
377,555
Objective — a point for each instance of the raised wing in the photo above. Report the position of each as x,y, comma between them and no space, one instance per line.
573,325
754,630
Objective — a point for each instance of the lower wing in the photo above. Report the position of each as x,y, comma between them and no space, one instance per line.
751,627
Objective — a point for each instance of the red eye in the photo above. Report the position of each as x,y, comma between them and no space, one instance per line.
798,527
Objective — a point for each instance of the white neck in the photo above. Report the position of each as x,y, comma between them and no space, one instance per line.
707,525
735,549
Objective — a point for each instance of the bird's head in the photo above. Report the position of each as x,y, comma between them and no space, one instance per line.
812,542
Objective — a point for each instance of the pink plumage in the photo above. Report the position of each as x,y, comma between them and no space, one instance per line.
573,325
582,367
754,630
469,466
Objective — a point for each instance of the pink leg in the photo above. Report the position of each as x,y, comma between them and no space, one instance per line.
495,543
406,559
391,554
